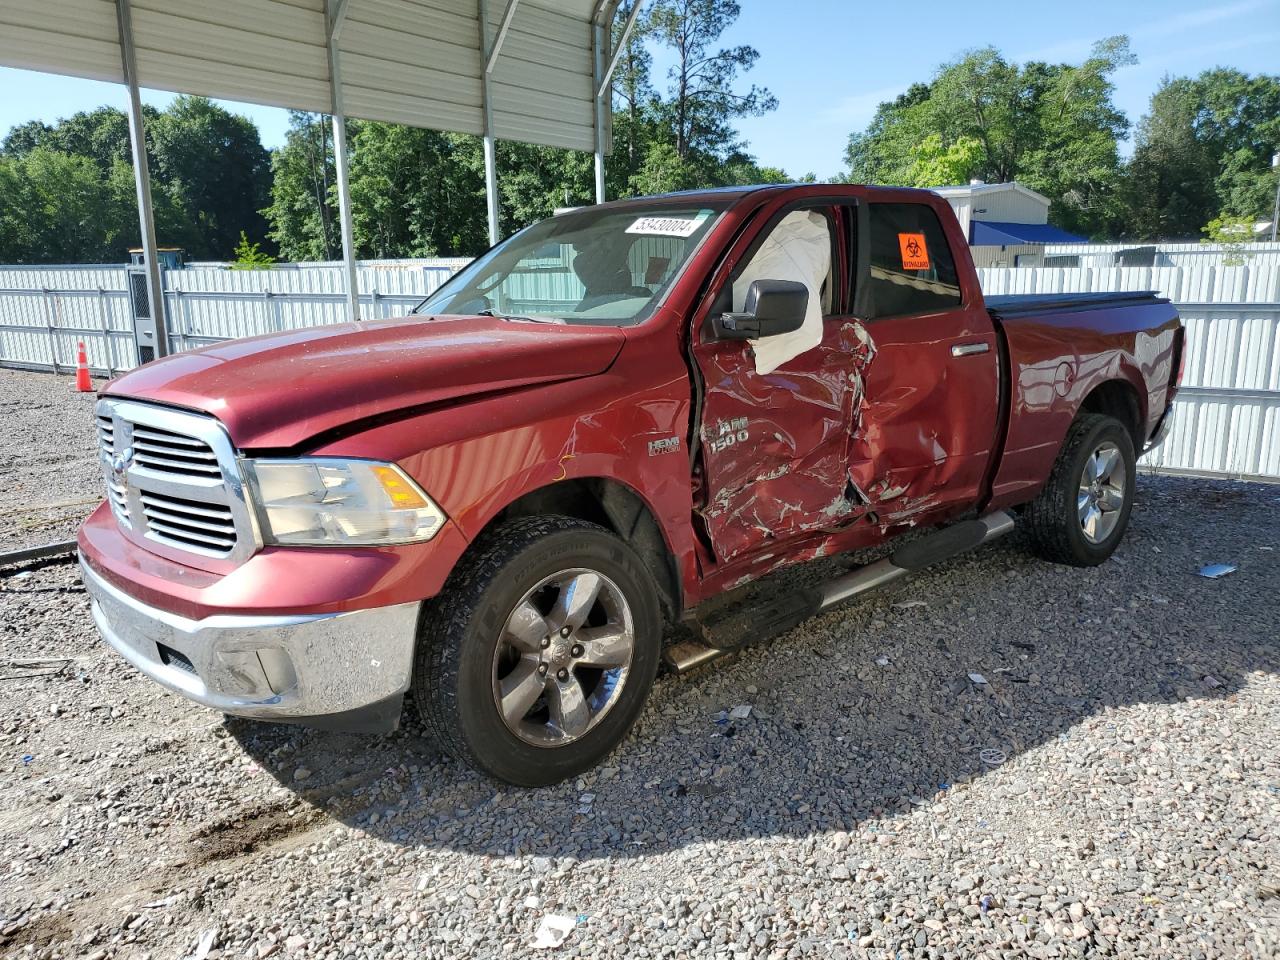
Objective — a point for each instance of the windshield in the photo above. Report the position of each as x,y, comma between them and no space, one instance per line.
592,266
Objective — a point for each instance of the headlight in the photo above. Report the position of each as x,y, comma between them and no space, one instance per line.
336,502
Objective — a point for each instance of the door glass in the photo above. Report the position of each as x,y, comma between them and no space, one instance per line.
912,270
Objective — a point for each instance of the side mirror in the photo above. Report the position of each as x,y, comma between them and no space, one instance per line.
772,307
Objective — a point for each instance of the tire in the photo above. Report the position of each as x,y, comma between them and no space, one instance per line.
480,642
1056,519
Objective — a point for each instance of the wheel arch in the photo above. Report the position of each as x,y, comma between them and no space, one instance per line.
1118,398
616,507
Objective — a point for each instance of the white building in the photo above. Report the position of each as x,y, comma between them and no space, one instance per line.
1007,224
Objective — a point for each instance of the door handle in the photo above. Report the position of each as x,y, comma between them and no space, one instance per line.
969,349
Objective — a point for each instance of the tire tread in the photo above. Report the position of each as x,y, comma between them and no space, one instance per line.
444,620
1048,517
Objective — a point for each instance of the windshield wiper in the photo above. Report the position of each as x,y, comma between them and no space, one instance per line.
517,316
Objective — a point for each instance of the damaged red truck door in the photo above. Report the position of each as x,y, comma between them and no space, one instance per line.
932,410
608,423
829,436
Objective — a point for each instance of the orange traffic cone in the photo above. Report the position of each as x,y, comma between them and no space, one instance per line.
83,384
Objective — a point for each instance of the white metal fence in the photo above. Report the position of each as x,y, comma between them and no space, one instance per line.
45,311
1227,416
1227,421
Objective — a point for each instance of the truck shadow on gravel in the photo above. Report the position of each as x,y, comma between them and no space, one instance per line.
865,712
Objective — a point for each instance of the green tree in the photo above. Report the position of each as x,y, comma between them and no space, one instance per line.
57,208
933,165
250,256
102,135
212,164
209,172
1051,126
416,192
1232,234
703,97
1203,153
303,211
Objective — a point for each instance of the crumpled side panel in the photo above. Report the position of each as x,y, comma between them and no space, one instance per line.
927,424
775,446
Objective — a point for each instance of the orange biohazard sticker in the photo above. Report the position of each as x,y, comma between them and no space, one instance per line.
915,255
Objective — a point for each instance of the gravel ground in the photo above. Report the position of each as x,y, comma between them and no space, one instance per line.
48,461
1112,789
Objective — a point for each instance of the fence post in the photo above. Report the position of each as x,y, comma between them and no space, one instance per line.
184,317
48,323
108,348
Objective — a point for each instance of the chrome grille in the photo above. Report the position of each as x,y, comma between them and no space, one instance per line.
116,493
185,522
169,452
173,481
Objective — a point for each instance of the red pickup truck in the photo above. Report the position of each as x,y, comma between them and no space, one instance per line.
601,424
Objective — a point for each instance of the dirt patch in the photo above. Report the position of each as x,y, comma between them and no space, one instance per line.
249,832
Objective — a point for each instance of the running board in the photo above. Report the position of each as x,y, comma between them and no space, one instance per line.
745,626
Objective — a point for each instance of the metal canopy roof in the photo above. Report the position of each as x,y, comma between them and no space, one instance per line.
416,62
537,71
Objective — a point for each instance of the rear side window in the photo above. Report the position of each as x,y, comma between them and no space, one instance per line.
912,270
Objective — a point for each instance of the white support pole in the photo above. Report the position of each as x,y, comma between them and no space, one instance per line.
142,180
336,17
597,72
488,58
344,215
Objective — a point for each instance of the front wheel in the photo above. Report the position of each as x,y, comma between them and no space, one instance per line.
537,658
1081,514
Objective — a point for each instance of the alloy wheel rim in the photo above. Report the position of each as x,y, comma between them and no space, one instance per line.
1100,499
563,657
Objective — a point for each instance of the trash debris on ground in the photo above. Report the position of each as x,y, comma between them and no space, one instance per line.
909,604
978,678
985,903
553,931
204,944
721,718
22,669
27,758
882,661
992,757
585,801
740,712
1215,570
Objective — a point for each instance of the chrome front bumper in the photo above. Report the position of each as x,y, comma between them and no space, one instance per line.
344,671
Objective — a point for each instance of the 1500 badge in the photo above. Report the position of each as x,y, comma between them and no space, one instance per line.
728,433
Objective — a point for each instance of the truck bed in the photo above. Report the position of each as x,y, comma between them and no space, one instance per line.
1018,305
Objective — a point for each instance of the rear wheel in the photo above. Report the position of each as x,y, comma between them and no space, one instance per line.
537,658
1081,514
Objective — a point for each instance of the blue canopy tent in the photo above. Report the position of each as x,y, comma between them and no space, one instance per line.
997,233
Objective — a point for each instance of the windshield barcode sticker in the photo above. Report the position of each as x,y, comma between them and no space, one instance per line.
667,226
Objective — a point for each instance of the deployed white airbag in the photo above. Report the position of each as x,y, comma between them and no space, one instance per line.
798,249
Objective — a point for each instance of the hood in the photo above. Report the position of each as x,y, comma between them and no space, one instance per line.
282,389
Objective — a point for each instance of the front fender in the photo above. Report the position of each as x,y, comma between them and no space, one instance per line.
475,459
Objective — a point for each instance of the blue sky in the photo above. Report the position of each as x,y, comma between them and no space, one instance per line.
830,62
